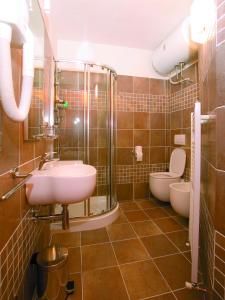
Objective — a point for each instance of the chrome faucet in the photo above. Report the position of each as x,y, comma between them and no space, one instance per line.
44,159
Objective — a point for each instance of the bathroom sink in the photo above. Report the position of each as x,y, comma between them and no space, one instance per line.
61,183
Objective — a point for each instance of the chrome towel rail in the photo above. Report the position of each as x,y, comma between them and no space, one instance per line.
15,174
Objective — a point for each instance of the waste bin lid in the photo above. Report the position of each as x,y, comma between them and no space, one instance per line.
52,256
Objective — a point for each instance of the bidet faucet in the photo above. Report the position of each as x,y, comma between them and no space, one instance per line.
45,158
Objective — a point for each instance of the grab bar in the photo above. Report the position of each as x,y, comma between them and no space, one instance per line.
14,173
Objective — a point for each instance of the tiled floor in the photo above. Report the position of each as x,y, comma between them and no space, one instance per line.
142,255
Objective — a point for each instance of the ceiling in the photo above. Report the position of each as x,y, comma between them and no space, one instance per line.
129,23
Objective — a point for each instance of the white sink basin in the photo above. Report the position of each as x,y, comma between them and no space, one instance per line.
62,183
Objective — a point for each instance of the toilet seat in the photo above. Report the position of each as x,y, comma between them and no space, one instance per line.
159,181
177,161
166,175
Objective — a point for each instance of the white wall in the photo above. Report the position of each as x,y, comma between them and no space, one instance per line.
126,61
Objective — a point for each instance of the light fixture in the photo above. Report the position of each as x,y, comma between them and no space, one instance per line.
202,20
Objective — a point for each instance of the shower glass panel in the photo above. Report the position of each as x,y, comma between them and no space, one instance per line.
86,122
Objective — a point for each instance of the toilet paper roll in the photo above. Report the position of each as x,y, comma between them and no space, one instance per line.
138,153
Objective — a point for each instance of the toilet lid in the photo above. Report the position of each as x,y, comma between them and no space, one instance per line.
177,161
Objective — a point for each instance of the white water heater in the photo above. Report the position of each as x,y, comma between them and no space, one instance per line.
176,48
14,30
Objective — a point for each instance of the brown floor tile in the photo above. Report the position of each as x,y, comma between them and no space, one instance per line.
145,204
170,211
94,236
120,232
187,255
146,228
159,245
77,295
74,260
67,239
159,203
97,256
168,296
175,269
156,213
129,250
121,219
135,216
129,206
189,295
179,238
143,280
181,220
168,224
104,284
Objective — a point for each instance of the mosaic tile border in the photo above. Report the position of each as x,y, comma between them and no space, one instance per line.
207,244
137,173
75,98
37,98
142,103
184,98
16,254
219,265
220,28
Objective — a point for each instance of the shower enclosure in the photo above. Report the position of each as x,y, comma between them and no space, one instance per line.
85,117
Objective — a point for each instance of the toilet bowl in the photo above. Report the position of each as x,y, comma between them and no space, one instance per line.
180,198
159,182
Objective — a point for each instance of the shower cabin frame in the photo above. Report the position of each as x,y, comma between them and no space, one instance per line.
111,76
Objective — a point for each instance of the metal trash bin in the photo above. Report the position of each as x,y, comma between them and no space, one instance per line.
52,265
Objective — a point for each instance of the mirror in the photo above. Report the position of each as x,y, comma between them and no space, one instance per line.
33,125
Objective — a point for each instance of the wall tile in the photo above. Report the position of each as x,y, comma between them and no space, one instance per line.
212,83
158,138
220,201
124,192
93,118
186,117
102,156
158,87
125,84
176,119
141,190
125,156
141,120
157,121
124,138
219,66
220,137
124,120
157,155
141,138
141,85
16,228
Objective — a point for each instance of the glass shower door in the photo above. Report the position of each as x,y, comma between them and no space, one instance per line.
86,129
98,106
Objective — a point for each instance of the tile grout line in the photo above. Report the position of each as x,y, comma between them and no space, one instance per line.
118,265
139,238
149,259
179,251
81,270
165,281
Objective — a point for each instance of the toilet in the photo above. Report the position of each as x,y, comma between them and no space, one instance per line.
159,182
180,198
